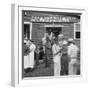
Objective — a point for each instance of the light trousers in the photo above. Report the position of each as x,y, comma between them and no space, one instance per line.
57,68
72,67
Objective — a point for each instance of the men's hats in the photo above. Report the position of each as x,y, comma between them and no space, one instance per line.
65,42
70,40
60,36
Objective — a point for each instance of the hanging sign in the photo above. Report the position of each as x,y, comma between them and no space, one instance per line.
53,19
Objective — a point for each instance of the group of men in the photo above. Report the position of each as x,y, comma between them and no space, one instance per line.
65,57
64,54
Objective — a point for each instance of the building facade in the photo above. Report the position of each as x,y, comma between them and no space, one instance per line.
36,23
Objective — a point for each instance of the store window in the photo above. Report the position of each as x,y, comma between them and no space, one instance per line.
77,31
27,30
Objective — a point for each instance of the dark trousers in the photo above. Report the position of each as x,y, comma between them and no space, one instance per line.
47,57
64,64
28,70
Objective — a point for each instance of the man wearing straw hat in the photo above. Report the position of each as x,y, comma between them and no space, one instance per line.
72,53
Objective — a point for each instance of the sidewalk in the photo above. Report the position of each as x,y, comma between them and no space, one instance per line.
41,70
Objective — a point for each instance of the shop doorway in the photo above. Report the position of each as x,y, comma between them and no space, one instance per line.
56,30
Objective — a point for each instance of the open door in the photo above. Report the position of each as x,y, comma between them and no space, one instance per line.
55,30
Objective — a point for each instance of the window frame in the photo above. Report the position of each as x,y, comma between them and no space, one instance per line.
77,31
30,23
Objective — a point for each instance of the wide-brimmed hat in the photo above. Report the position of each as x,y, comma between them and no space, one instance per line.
70,40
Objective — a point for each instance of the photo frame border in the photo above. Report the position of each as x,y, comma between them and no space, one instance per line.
16,43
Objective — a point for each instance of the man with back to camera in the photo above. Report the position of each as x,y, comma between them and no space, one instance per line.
72,53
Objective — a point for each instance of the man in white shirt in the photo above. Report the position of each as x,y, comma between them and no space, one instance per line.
56,49
72,53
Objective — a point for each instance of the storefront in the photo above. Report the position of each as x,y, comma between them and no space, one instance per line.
37,23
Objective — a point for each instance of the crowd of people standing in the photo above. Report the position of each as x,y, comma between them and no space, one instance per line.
64,54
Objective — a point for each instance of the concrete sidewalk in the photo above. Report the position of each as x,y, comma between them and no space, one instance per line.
41,70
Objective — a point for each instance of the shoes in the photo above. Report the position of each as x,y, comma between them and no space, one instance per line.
28,70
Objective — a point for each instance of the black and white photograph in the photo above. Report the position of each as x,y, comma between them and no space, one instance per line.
50,43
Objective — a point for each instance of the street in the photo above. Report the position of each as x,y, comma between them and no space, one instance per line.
40,70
